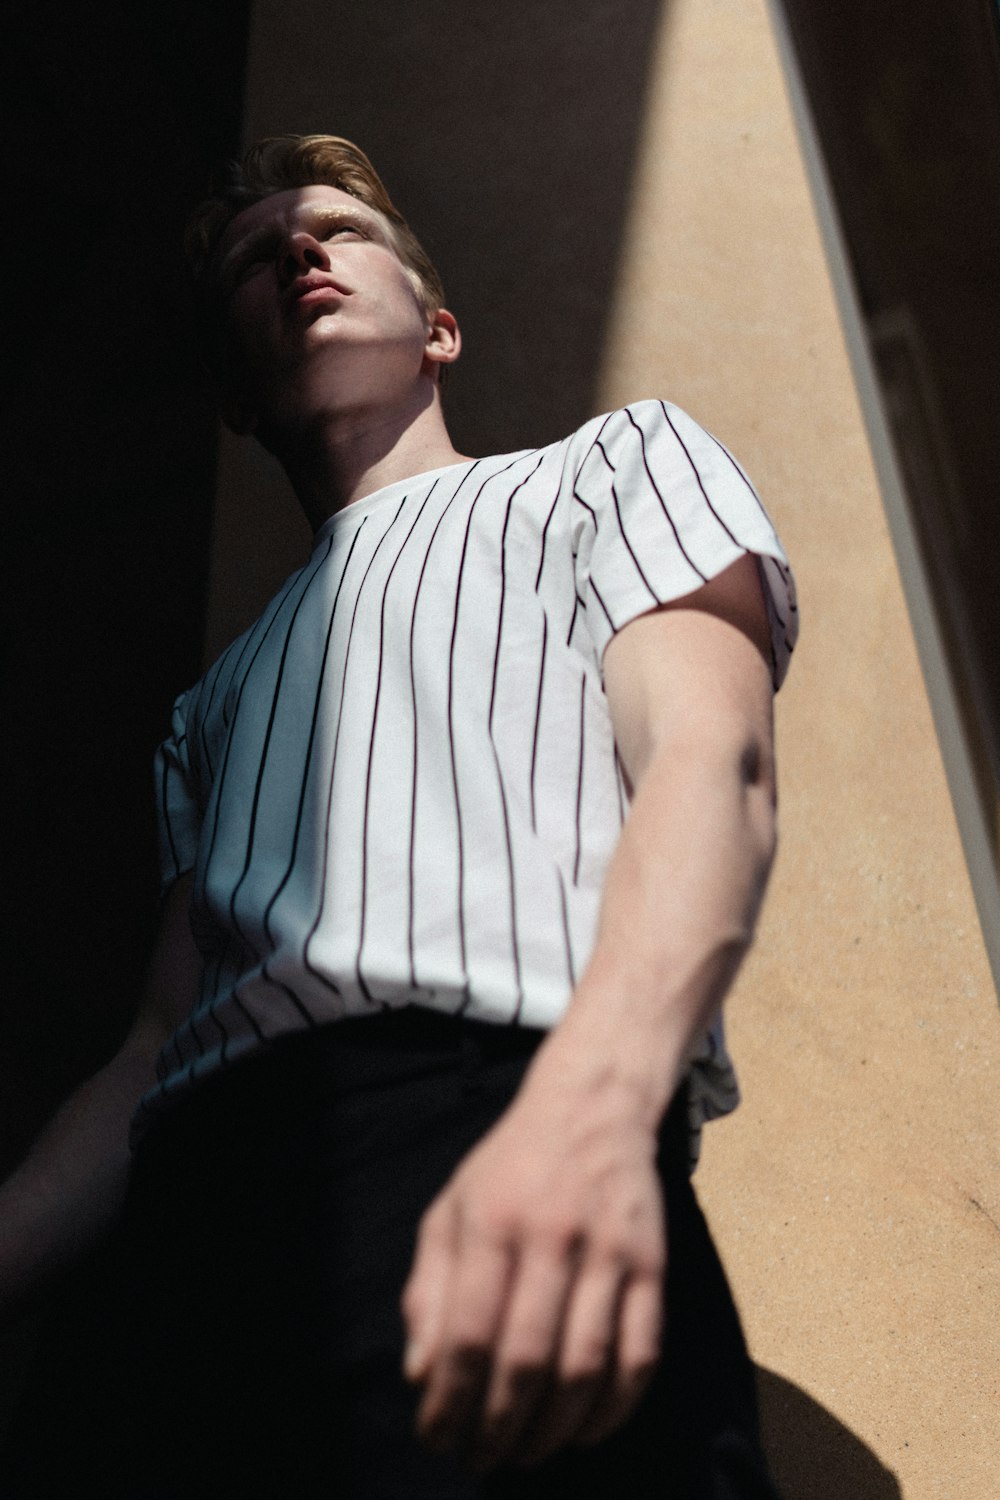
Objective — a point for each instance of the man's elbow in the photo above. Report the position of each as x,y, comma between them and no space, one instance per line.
760,805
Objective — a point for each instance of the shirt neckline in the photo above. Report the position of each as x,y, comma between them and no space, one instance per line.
367,503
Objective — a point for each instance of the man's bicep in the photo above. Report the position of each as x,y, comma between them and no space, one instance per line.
699,665
173,976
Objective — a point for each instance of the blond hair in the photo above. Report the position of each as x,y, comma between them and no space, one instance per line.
273,166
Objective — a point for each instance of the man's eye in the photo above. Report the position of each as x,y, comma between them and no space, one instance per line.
337,230
246,268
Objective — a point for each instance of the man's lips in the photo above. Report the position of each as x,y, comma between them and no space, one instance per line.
314,288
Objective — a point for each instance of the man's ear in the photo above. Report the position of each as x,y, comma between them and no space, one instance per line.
444,339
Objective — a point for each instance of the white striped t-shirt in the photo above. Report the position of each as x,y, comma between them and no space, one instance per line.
400,786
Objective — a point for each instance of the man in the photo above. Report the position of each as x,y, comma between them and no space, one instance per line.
463,843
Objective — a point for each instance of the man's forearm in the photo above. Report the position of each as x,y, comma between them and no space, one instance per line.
68,1190
562,1196
66,1194
680,901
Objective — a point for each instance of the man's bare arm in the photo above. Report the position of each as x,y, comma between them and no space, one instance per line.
66,1193
534,1305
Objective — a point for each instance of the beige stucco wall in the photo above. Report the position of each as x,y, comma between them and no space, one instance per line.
856,1195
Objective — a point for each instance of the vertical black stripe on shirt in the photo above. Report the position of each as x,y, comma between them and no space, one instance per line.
628,546
792,607
567,939
663,504
215,995
266,620
604,454
247,1016
697,474
201,884
607,613
774,623
463,949
275,614
515,944
194,1063
165,806
210,998
589,509
371,746
262,768
579,779
785,575
416,737
578,604
182,1060
620,784
211,682
545,533
590,450
223,1033
186,1035
740,471
307,760
324,979
262,626
218,963
782,569
538,720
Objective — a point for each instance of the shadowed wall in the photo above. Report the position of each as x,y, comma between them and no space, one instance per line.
116,114
109,474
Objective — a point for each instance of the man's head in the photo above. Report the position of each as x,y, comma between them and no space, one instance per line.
298,176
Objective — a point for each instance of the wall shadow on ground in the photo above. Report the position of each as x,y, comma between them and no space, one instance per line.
813,1456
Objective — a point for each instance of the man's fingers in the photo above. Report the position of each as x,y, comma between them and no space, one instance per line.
587,1352
425,1296
534,1324
640,1322
459,1360
526,1353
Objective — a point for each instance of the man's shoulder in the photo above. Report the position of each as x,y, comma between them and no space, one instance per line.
642,416
637,422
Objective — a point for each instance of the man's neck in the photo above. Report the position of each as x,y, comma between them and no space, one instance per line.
346,455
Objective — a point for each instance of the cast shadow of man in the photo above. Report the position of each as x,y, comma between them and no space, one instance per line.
812,1455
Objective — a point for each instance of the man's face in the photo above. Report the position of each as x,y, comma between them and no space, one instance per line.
317,305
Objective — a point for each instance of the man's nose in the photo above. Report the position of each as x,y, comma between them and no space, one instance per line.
300,253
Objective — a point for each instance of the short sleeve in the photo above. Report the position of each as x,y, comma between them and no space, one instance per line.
666,508
177,808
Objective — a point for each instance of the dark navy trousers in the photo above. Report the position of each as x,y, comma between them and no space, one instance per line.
247,1339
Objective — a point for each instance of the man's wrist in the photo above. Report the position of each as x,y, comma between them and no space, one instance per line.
626,1040
619,1077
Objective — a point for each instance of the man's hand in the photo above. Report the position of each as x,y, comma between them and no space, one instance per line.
534,1306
